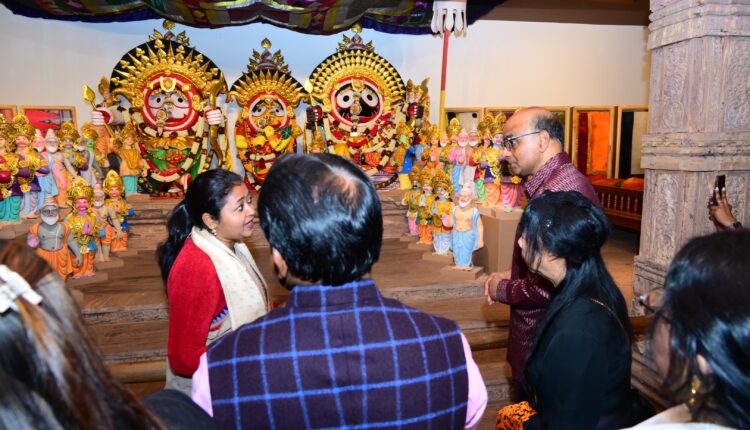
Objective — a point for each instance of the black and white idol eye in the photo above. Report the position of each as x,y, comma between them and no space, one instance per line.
345,99
179,100
369,97
259,109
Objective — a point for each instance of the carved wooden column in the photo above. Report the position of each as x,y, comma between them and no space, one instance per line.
699,125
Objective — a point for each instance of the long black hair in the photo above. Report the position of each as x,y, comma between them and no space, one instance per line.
206,194
322,213
51,373
707,306
569,226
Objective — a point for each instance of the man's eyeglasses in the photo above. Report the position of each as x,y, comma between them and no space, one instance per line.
509,141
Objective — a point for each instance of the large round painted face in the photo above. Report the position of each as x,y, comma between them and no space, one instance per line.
82,206
168,103
356,98
267,110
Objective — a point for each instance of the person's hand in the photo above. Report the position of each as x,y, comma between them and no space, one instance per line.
100,117
492,282
721,212
118,234
214,117
79,260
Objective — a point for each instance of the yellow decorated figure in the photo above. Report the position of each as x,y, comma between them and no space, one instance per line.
266,127
132,164
64,159
442,207
167,91
424,210
411,201
84,226
10,204
29,162
113,188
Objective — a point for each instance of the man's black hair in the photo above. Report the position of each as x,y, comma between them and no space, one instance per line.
322,213
550,124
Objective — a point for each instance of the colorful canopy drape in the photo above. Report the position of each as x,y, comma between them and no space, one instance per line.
306,16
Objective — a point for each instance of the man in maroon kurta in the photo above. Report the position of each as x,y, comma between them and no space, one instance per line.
533,146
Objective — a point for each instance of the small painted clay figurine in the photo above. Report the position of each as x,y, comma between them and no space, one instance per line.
83,225
132,165
468,231
113,188
53,241
411,200
424,210
442,208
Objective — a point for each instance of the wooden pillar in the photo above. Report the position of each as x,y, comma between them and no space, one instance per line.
699,126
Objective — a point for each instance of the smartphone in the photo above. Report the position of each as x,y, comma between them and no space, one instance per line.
719,184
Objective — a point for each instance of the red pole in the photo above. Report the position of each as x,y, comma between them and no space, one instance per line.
441,122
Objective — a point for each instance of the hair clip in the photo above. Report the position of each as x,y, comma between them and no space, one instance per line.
548,223
15,286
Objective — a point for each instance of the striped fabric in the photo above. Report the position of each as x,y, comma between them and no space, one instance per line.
341,356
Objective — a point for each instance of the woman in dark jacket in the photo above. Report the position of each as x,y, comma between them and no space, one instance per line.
578,372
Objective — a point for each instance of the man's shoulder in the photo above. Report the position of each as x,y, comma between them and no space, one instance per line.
567,177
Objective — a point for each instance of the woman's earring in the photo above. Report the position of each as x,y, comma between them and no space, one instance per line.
695,385
213,231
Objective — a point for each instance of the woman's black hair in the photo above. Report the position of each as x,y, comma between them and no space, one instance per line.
707,306
52,375
568,225
323,215
206,194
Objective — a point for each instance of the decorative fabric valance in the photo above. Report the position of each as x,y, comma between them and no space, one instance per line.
305,16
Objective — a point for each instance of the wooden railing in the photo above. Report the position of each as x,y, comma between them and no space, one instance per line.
624,206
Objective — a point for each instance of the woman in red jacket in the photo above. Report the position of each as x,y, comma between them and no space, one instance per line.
213,283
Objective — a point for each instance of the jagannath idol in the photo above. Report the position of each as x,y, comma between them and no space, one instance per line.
168,90
266,127
361,94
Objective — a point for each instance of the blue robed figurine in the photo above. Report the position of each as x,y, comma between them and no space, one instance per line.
468,233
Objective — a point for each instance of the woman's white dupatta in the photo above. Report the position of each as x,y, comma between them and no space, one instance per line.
244,288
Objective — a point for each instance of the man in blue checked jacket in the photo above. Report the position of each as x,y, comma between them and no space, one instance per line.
339,355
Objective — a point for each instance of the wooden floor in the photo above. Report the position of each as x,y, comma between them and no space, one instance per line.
126,311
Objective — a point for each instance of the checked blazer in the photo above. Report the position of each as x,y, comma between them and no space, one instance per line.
340,357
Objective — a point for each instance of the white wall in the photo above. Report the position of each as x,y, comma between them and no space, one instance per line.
497,64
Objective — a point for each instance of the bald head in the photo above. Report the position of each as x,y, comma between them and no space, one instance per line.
543,139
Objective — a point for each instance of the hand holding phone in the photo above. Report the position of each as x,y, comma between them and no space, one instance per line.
719,184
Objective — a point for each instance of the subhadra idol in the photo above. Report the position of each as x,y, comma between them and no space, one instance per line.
167,91
266,127
360,93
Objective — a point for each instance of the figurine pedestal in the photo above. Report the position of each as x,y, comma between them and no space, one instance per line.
437,258
414,246
98,278
499,239
113,263
449,273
